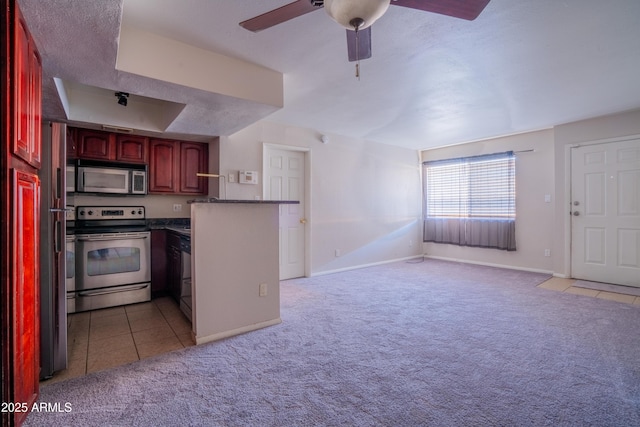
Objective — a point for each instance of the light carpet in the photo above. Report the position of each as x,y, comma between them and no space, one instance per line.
429,344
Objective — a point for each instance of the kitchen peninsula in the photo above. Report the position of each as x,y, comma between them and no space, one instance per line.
234,266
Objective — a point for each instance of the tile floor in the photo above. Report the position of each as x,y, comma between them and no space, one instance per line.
111,337
566,285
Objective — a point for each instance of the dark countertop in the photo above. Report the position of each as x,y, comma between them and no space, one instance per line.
254,202
183,231
163,223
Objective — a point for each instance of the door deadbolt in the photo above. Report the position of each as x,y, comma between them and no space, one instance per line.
576,203
576,213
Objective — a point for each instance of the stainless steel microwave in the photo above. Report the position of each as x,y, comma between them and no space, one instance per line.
111,180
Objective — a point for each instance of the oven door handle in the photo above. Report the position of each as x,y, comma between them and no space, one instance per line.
103,239
112,291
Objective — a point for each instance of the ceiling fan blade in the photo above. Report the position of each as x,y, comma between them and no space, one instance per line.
363,50
278,16
463,9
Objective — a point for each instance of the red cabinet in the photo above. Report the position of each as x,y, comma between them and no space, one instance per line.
72,146
27,96
173,166
194,158
131,148
25,277
108,146
94,144
174,266
158,263
164,164
21,71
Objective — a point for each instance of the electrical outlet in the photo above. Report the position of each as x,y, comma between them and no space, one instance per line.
263,289
177,207
547,252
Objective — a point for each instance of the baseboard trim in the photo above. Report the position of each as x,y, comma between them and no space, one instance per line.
356,267
237,331
489,264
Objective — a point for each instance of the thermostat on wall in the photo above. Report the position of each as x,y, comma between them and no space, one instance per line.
248,177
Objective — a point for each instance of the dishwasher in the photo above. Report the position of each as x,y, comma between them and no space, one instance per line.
185,277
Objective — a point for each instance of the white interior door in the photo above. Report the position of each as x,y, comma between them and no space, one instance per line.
285,180
605,208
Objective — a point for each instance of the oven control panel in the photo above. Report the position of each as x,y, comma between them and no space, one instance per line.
109,212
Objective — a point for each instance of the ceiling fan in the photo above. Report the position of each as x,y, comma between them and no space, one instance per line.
358,15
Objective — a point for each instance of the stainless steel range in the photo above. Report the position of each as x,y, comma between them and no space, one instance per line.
113,257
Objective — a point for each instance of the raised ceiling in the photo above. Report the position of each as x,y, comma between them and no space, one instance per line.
433,80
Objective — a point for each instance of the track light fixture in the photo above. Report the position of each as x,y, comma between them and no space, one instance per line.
122,98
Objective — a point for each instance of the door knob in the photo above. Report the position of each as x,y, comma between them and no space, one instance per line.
576,213
303,220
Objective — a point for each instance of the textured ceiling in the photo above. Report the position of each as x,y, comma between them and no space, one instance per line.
433,80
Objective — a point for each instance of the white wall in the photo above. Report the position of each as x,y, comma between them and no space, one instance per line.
227,276
365,198
539,225
534,217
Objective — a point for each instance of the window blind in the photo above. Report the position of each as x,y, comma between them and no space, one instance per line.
465,194
471,187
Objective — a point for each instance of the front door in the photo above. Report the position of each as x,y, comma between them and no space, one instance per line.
285,180
605,209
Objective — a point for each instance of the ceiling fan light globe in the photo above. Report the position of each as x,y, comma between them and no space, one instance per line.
345,11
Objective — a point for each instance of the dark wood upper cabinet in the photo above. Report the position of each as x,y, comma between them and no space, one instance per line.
72,146
164,166
99,145
95,144
173,166
132,149
194,158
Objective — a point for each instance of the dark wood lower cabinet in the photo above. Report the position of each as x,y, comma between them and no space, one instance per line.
166,264
158,263
174,266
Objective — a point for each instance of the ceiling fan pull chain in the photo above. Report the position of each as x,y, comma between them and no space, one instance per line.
357,54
